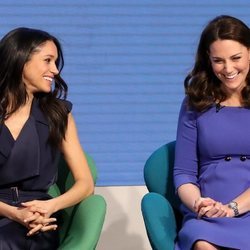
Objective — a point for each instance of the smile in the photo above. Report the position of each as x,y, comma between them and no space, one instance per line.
231,76
48,78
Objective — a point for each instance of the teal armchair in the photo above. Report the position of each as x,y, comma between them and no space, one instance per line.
82,223
160,206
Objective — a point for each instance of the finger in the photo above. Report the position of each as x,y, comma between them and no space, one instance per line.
203,202
216,210
49,228
48,220
35,208
38,209
35,230
221,212
34,217
203,211
211,212
28,203
32,225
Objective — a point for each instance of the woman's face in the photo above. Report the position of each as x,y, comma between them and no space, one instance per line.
230,63
39,71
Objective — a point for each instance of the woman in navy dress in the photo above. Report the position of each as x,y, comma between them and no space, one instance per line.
36,128
212,162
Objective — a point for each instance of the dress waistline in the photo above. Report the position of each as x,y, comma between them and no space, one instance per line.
15,196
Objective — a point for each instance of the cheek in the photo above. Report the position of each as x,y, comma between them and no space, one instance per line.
246,65
217,68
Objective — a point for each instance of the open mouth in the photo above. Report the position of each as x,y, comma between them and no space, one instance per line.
231,76
48,78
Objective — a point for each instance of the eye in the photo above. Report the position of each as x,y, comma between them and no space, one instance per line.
236,58
48,60
217,61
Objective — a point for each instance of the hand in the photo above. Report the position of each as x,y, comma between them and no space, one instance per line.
213,211
40,224
45,207
203,203
21,213
40,220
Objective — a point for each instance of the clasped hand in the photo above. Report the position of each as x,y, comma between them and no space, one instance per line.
210,208
35,215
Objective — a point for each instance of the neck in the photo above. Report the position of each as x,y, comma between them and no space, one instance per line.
232,101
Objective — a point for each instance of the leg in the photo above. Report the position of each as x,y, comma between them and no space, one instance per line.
204,245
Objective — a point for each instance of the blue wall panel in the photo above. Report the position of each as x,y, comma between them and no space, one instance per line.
125,62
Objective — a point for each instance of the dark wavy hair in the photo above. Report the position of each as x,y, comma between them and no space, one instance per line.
202,87
16,48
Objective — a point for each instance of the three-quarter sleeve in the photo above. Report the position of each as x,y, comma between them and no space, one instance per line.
186,160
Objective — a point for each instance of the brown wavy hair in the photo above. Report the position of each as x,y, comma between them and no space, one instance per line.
16,48
202,87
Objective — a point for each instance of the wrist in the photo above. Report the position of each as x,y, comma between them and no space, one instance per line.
54,205
233,205
11,213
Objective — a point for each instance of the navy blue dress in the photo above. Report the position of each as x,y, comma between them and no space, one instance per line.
28,167
213,153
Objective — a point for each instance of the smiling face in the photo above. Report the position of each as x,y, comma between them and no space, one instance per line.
230,63
39,71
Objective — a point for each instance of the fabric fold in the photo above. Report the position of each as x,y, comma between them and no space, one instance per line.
24,159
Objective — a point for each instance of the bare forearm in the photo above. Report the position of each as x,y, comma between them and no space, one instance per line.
74,195
7,210
188,194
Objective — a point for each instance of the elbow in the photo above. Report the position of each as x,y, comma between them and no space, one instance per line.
89,187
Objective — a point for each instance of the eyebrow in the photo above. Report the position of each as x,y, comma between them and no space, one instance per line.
50,55
238,54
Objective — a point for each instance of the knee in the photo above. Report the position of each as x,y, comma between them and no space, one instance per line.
203,245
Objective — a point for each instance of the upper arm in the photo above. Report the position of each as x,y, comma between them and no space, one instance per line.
186,160
73,153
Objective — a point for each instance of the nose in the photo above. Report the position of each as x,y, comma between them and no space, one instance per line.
228,67
54,69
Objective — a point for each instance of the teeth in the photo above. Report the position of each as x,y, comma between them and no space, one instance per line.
48,78
231,76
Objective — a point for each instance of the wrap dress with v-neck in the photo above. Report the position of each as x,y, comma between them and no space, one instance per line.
28,167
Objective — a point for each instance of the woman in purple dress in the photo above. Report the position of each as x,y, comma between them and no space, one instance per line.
36,128
212,162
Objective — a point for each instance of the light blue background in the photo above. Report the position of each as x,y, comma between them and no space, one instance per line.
125,62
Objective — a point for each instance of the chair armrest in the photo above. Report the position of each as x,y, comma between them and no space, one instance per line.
159,221
86,225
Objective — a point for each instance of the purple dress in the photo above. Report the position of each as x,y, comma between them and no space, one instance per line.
213,153
28,167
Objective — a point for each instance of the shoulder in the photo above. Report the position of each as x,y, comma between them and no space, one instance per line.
186,107
187,113
67,104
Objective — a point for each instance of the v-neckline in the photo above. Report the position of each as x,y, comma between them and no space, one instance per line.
15,139
24,124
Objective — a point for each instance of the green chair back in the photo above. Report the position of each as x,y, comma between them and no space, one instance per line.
83,222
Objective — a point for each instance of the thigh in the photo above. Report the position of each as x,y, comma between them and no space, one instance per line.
13,237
